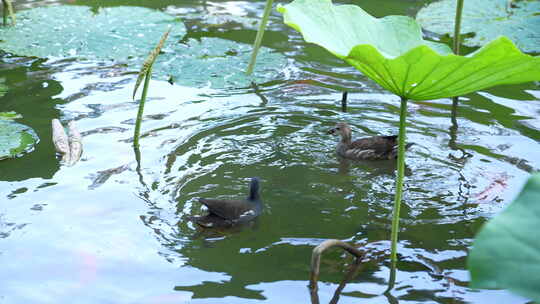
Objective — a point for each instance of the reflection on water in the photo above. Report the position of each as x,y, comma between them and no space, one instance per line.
114,226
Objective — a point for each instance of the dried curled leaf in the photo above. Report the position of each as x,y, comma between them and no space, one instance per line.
59,137
147,64
75,143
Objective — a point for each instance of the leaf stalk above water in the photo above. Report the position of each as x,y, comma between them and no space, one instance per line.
399,182
259,37
138,121
457,27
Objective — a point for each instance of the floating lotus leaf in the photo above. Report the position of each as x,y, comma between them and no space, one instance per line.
216,63
15,138
506,251
130,33
487,19
10,115
391,51
116,33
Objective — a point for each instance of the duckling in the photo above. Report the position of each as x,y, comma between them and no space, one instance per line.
227,213
368,148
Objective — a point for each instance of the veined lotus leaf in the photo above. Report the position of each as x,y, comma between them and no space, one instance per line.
120,33
216,63
391,51
487,19
15,139
506,251
116,33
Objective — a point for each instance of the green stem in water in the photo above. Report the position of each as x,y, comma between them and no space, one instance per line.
141,108
4,12
457,43
259,37
399,182
457,26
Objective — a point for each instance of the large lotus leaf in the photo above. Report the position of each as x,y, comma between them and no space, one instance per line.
487,19
506,251
216,63
15,138
116,33
391,51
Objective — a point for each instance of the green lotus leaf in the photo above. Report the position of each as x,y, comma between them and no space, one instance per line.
506,251
116,33
487,19
15,138
391,51
10,115
130,33
216,63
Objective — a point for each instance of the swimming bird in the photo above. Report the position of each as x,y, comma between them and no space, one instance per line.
226,213
368,148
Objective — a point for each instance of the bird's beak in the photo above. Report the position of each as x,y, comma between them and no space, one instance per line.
331,131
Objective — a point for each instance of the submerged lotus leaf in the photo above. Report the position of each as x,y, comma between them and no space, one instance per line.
15,138
391,51
216,63
116,33
487,19
506,251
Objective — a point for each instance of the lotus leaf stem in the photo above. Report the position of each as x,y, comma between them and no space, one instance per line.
457,43
457,26
141,107
258,38
399,181
8,10
344,102
4,12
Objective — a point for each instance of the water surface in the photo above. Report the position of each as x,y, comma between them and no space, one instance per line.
110,231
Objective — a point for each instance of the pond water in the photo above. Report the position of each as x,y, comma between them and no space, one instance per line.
108,230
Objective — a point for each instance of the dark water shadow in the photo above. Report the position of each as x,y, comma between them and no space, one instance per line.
31,93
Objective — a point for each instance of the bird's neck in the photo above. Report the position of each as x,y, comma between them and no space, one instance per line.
254,190
346,139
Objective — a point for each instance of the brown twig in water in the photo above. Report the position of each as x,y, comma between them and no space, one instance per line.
350,275
316,258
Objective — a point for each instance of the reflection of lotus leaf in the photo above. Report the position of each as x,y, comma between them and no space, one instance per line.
506,252
487,19
391,51
71,31
216,63
15,139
